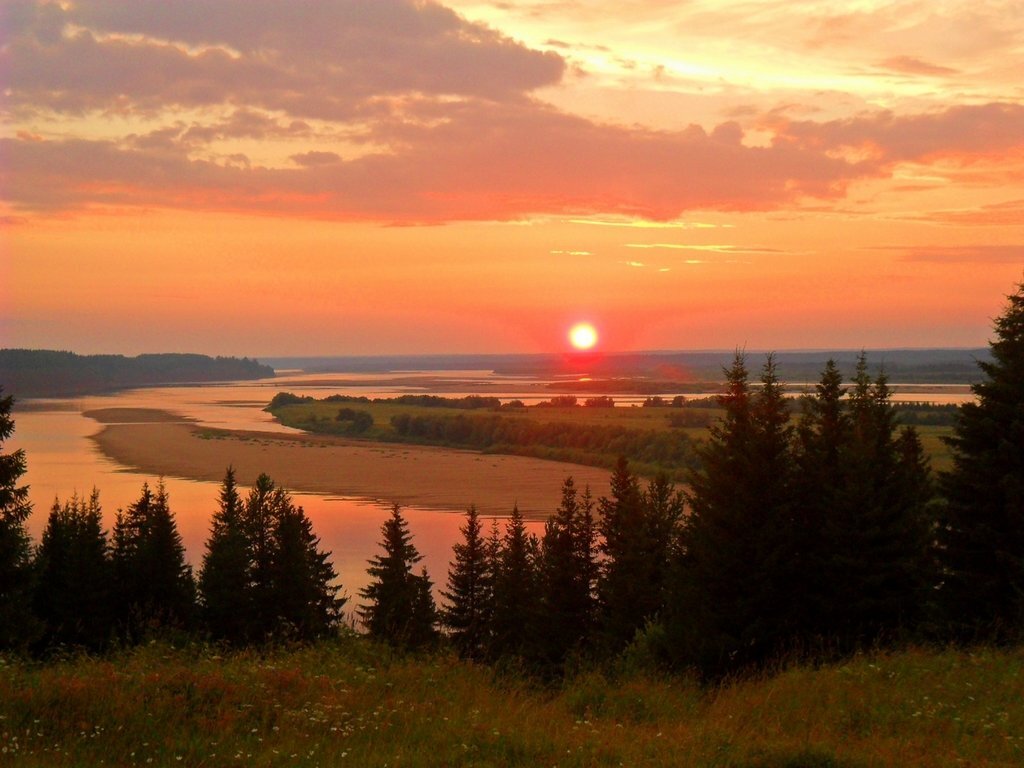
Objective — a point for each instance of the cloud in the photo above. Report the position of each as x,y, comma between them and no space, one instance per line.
958,132
910,65
393,111
708,248
645,224
317,158
329,59
964,254
468,161
1010,212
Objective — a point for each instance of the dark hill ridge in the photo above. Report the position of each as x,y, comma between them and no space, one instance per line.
48,373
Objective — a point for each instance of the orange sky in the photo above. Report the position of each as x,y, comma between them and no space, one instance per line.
255,177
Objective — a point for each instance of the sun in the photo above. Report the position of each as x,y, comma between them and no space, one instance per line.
583,336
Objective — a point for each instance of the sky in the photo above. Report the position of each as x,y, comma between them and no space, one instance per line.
330,177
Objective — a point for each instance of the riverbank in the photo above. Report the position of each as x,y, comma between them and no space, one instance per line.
161,443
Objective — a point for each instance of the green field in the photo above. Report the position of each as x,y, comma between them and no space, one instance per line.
587,435
350,702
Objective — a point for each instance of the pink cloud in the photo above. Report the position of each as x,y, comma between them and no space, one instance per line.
963,131
320,58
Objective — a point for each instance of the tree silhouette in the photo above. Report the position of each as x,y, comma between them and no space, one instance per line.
152,579
224,580
74,576
515,589
729,607
17,626
470,591
567,577
983,528
303,592
399,607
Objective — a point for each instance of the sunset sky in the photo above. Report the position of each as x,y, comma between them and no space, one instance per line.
260,177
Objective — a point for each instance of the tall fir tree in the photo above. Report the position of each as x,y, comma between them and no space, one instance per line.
399,607
17,624
515,590
623,589
470,592
878,532
304,590
567,578
729,607
152,580
74,576
982,536
224,580
259,515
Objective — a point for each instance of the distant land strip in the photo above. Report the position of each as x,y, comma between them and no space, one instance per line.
27,373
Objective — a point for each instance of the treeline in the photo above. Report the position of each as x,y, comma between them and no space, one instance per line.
469,402
501,434
47,373
263,576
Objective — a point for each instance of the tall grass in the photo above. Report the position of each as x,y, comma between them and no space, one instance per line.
349,702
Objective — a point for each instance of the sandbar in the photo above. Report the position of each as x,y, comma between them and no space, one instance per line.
163,444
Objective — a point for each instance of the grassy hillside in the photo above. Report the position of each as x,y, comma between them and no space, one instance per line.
350,703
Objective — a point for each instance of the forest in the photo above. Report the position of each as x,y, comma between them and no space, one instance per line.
49,373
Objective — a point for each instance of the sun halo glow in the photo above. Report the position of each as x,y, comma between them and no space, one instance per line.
583,336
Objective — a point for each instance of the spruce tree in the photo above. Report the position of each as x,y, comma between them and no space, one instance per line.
153,581
304,592
861,567
515,590
399,607
729,606
258,520
74,576
567,577
625,596
470,591
982,537
878,532
17,626
224,580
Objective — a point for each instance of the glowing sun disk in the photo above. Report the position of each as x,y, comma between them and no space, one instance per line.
583,336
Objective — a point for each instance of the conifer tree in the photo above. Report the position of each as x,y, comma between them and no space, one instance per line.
153,581
624,591
260,513
878,531
982,537
861,562
470,591
74,576
515,589
399,607
567,576
224,580
17,625
729,607
304,592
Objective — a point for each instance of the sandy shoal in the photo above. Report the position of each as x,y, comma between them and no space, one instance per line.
407,474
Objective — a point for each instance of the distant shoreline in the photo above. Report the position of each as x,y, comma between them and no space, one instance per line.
164,444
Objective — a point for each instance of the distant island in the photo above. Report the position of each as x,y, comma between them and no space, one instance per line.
49,373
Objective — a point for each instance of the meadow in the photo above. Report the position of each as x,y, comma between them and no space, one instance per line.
656,439
352,702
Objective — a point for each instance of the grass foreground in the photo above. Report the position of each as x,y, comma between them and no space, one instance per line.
350,702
